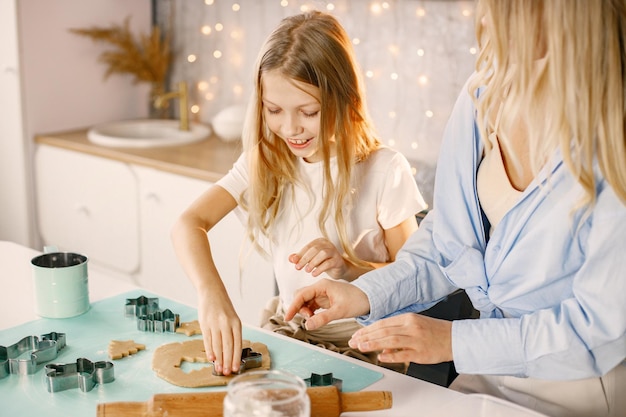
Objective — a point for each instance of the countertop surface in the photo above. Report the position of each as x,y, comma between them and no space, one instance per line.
411,397
88,336
206,160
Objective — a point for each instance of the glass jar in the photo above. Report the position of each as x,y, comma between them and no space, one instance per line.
267,394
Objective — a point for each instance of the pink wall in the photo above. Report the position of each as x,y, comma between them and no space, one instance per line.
62,80
54,82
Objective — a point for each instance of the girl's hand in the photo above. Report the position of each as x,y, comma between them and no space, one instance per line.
407,338
221,332
338,299
320,256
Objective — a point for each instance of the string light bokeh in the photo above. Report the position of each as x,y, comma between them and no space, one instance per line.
415,56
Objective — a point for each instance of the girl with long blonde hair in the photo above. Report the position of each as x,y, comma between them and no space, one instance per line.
321,196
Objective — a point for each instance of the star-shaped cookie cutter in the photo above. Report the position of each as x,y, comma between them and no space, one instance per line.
140,306
83,374
159,322
317,380
249,360
41,350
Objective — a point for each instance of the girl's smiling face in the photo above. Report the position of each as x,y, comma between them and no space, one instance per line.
292,112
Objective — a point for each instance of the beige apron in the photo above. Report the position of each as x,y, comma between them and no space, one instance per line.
590,397
333,336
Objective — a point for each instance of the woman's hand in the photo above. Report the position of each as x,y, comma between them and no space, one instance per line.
320,256
407,338
338,299
221,332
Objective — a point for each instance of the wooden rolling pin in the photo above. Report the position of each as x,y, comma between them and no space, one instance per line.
325,402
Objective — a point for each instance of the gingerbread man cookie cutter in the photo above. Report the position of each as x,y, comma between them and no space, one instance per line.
83,374
41,350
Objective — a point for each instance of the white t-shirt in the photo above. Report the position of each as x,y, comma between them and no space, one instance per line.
385,194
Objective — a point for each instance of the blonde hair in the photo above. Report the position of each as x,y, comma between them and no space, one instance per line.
311,48
574,100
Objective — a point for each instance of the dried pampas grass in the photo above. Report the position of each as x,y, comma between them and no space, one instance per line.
147,58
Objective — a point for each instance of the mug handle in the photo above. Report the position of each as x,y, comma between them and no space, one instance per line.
50,249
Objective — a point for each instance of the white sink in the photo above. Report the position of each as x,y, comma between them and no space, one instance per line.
146,133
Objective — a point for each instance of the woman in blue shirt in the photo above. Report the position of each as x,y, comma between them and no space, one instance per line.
529,218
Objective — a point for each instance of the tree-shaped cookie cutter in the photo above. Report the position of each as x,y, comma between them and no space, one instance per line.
41,350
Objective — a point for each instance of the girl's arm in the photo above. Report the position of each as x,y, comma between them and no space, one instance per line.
398,235
321,255
221,327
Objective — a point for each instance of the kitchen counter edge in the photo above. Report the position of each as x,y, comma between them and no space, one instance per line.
206,160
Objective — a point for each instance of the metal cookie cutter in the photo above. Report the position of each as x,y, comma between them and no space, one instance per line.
140,306
159,322
317,380
83,374
41,351
249,360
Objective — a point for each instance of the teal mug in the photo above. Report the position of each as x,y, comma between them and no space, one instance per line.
61,283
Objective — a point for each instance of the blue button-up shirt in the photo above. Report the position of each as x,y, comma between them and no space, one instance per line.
550,282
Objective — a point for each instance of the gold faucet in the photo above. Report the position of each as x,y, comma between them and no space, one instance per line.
183,103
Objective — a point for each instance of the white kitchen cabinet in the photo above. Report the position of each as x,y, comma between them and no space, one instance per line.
89,205
15,210
120,215
163,196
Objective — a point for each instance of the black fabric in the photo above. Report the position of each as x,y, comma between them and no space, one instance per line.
456,306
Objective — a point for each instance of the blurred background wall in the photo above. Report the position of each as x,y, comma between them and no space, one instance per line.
415,56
